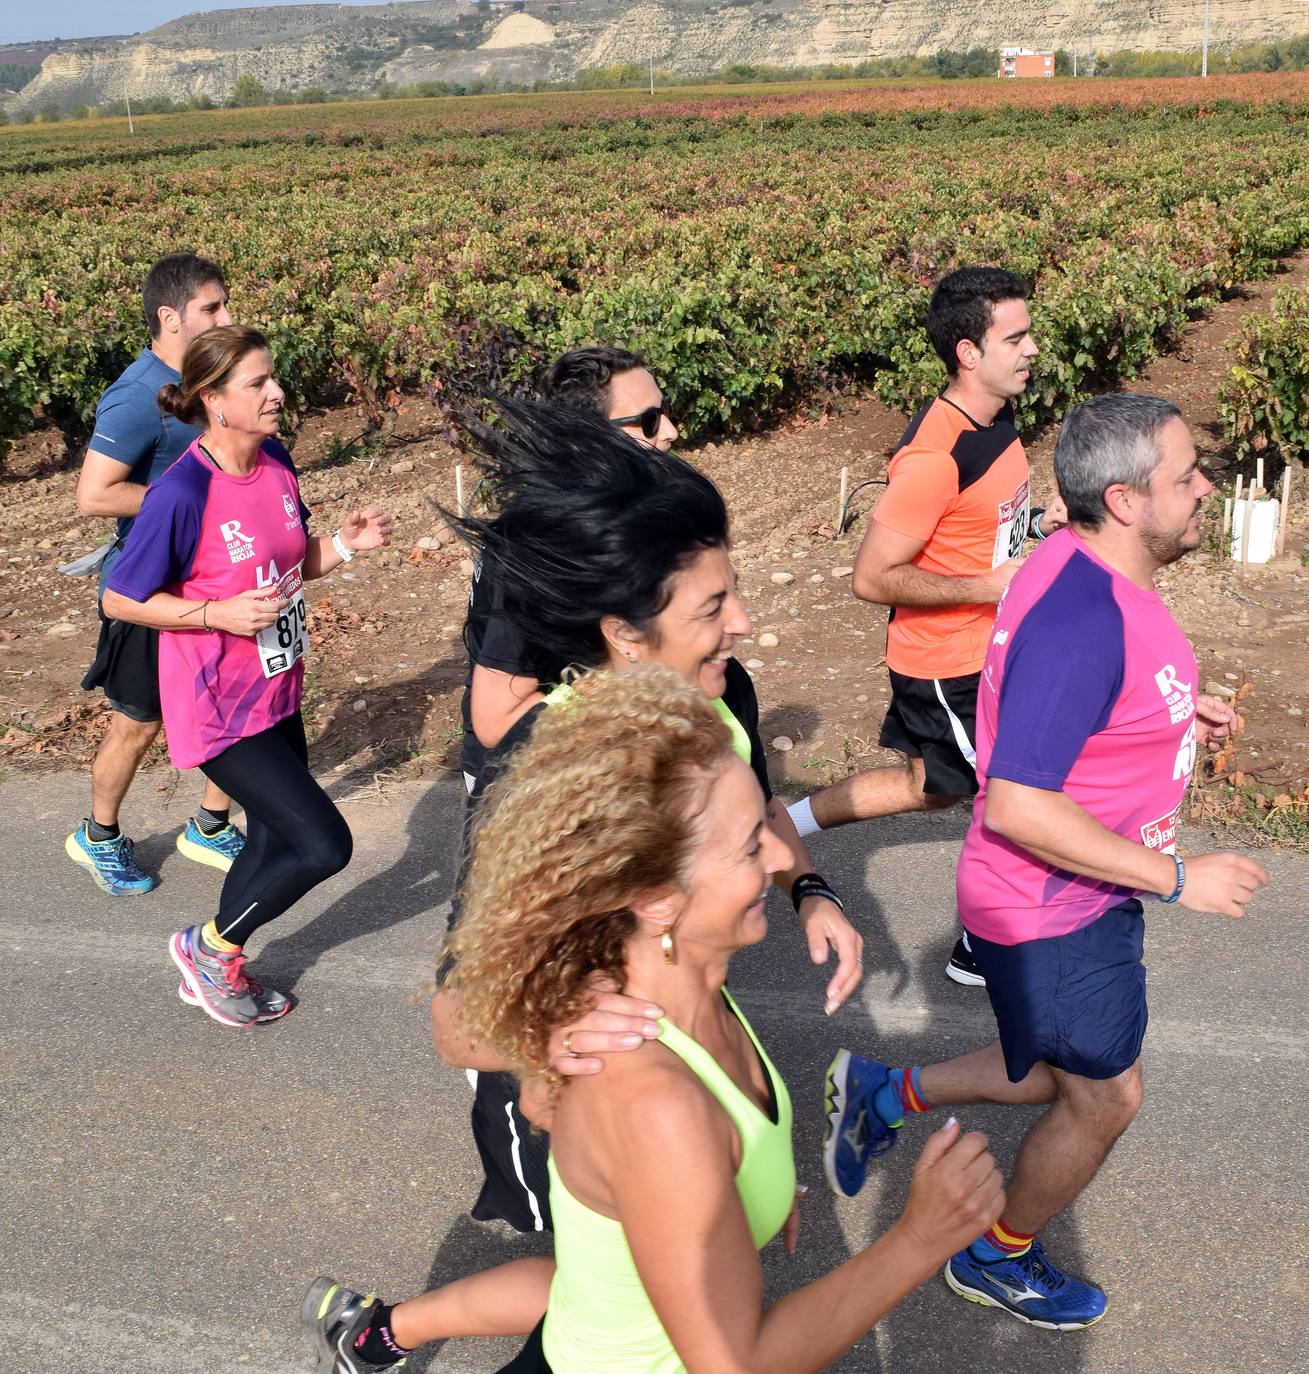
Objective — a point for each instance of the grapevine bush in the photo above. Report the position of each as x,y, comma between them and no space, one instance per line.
753,246
1265,399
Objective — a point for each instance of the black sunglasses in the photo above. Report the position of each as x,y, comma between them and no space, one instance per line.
649,419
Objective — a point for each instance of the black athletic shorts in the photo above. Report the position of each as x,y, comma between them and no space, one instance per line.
935,719
516,1186
127,668
531,1358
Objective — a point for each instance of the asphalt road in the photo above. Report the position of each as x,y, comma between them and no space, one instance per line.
170,1186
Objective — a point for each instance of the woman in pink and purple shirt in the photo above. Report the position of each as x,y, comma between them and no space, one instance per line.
216,561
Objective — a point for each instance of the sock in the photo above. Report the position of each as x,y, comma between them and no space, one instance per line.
377,1345
803,816
98,834
898,1095
1000,1243
211,822
214,941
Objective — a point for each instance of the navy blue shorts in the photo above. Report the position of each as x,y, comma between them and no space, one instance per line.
1076,1001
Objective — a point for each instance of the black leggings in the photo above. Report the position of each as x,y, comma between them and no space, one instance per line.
295,837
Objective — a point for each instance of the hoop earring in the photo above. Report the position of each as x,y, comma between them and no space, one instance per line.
221,420
666,944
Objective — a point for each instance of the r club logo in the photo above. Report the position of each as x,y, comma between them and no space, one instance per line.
239,546
290,505
1177,695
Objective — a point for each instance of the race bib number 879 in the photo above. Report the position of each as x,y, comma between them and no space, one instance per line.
284,641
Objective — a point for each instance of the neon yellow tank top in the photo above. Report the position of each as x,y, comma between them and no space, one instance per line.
599,1319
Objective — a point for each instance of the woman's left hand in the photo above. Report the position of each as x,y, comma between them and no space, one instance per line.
824,925
369,528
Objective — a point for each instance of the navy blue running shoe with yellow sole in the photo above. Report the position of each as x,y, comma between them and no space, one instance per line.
111,863
854,1133
218,850
1028,1287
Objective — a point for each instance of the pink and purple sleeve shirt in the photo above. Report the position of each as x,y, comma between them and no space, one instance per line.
1088,688
205,534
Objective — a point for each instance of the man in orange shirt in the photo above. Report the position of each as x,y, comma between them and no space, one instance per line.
940,549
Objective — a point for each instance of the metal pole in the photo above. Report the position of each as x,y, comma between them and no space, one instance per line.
1074,61
130,128
1204,51
652,73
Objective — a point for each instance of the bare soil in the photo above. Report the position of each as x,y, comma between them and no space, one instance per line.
386,662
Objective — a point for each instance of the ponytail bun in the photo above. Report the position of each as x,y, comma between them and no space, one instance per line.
174,401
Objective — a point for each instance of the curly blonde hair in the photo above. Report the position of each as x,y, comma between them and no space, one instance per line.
598,808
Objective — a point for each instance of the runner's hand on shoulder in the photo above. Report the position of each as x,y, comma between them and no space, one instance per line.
245,614
956,1192
369,528
614,1023
1221,883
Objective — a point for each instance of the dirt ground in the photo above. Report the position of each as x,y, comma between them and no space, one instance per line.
386,662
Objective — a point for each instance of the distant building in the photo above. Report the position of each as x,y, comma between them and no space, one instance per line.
1015,62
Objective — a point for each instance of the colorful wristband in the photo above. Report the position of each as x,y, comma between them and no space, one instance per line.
1181,880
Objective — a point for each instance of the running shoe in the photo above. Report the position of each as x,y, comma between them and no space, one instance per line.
334,1318
962,967
1028,1287
219,979
270,1005
109,862
218,850
854,1133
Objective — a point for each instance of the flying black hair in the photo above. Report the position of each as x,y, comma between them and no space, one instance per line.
589,524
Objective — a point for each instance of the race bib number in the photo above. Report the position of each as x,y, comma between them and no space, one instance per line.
1012,518
284,641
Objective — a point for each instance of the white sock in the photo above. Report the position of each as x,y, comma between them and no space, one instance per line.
803,816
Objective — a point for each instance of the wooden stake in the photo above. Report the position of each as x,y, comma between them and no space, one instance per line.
1236,501
1258,475
1246,525
1284,514
840,505
1227,515
459,490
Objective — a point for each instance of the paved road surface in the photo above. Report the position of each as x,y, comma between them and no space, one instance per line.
170,1186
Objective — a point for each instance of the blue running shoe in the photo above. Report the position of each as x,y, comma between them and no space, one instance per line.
1028,1287
218,850
109,862
854,1133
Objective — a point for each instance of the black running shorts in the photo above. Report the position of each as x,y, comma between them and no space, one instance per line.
935,719
127,668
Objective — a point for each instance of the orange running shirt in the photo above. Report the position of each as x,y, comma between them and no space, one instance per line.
964,490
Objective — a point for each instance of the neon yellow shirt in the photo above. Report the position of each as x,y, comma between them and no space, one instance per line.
599,1319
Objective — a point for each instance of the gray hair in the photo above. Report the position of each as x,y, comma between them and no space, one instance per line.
1105,441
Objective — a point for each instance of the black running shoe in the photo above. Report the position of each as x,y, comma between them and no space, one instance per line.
962,967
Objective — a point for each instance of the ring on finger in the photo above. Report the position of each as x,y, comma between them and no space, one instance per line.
568,1045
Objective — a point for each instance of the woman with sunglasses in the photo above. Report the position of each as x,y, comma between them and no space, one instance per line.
647,861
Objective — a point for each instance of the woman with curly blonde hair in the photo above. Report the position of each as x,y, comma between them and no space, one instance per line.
628,838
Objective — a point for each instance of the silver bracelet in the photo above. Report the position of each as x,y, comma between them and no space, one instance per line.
340,546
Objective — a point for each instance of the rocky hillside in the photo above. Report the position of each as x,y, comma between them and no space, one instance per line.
350,47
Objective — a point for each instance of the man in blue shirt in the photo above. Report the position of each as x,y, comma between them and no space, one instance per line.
133,443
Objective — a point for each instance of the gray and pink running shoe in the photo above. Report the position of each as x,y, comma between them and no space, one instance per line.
219,980
270,1005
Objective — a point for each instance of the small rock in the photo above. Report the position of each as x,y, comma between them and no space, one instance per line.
842,572
449,629
1294,711
782,578
1218,689
466,566
817,577
399,469
358,704
1231,677
863,696
361,678
783,744
430,541
46,544
768,640
62,628
754,663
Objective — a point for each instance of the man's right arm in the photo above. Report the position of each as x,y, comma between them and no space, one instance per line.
104,487
884,573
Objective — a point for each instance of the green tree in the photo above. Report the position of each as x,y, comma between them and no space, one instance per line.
249,90
312,95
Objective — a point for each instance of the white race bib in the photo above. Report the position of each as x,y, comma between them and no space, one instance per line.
1012,519
284,641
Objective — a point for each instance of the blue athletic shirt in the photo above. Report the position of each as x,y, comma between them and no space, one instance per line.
132,430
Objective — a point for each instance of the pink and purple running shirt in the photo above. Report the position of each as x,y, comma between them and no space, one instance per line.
1088,688
205,534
